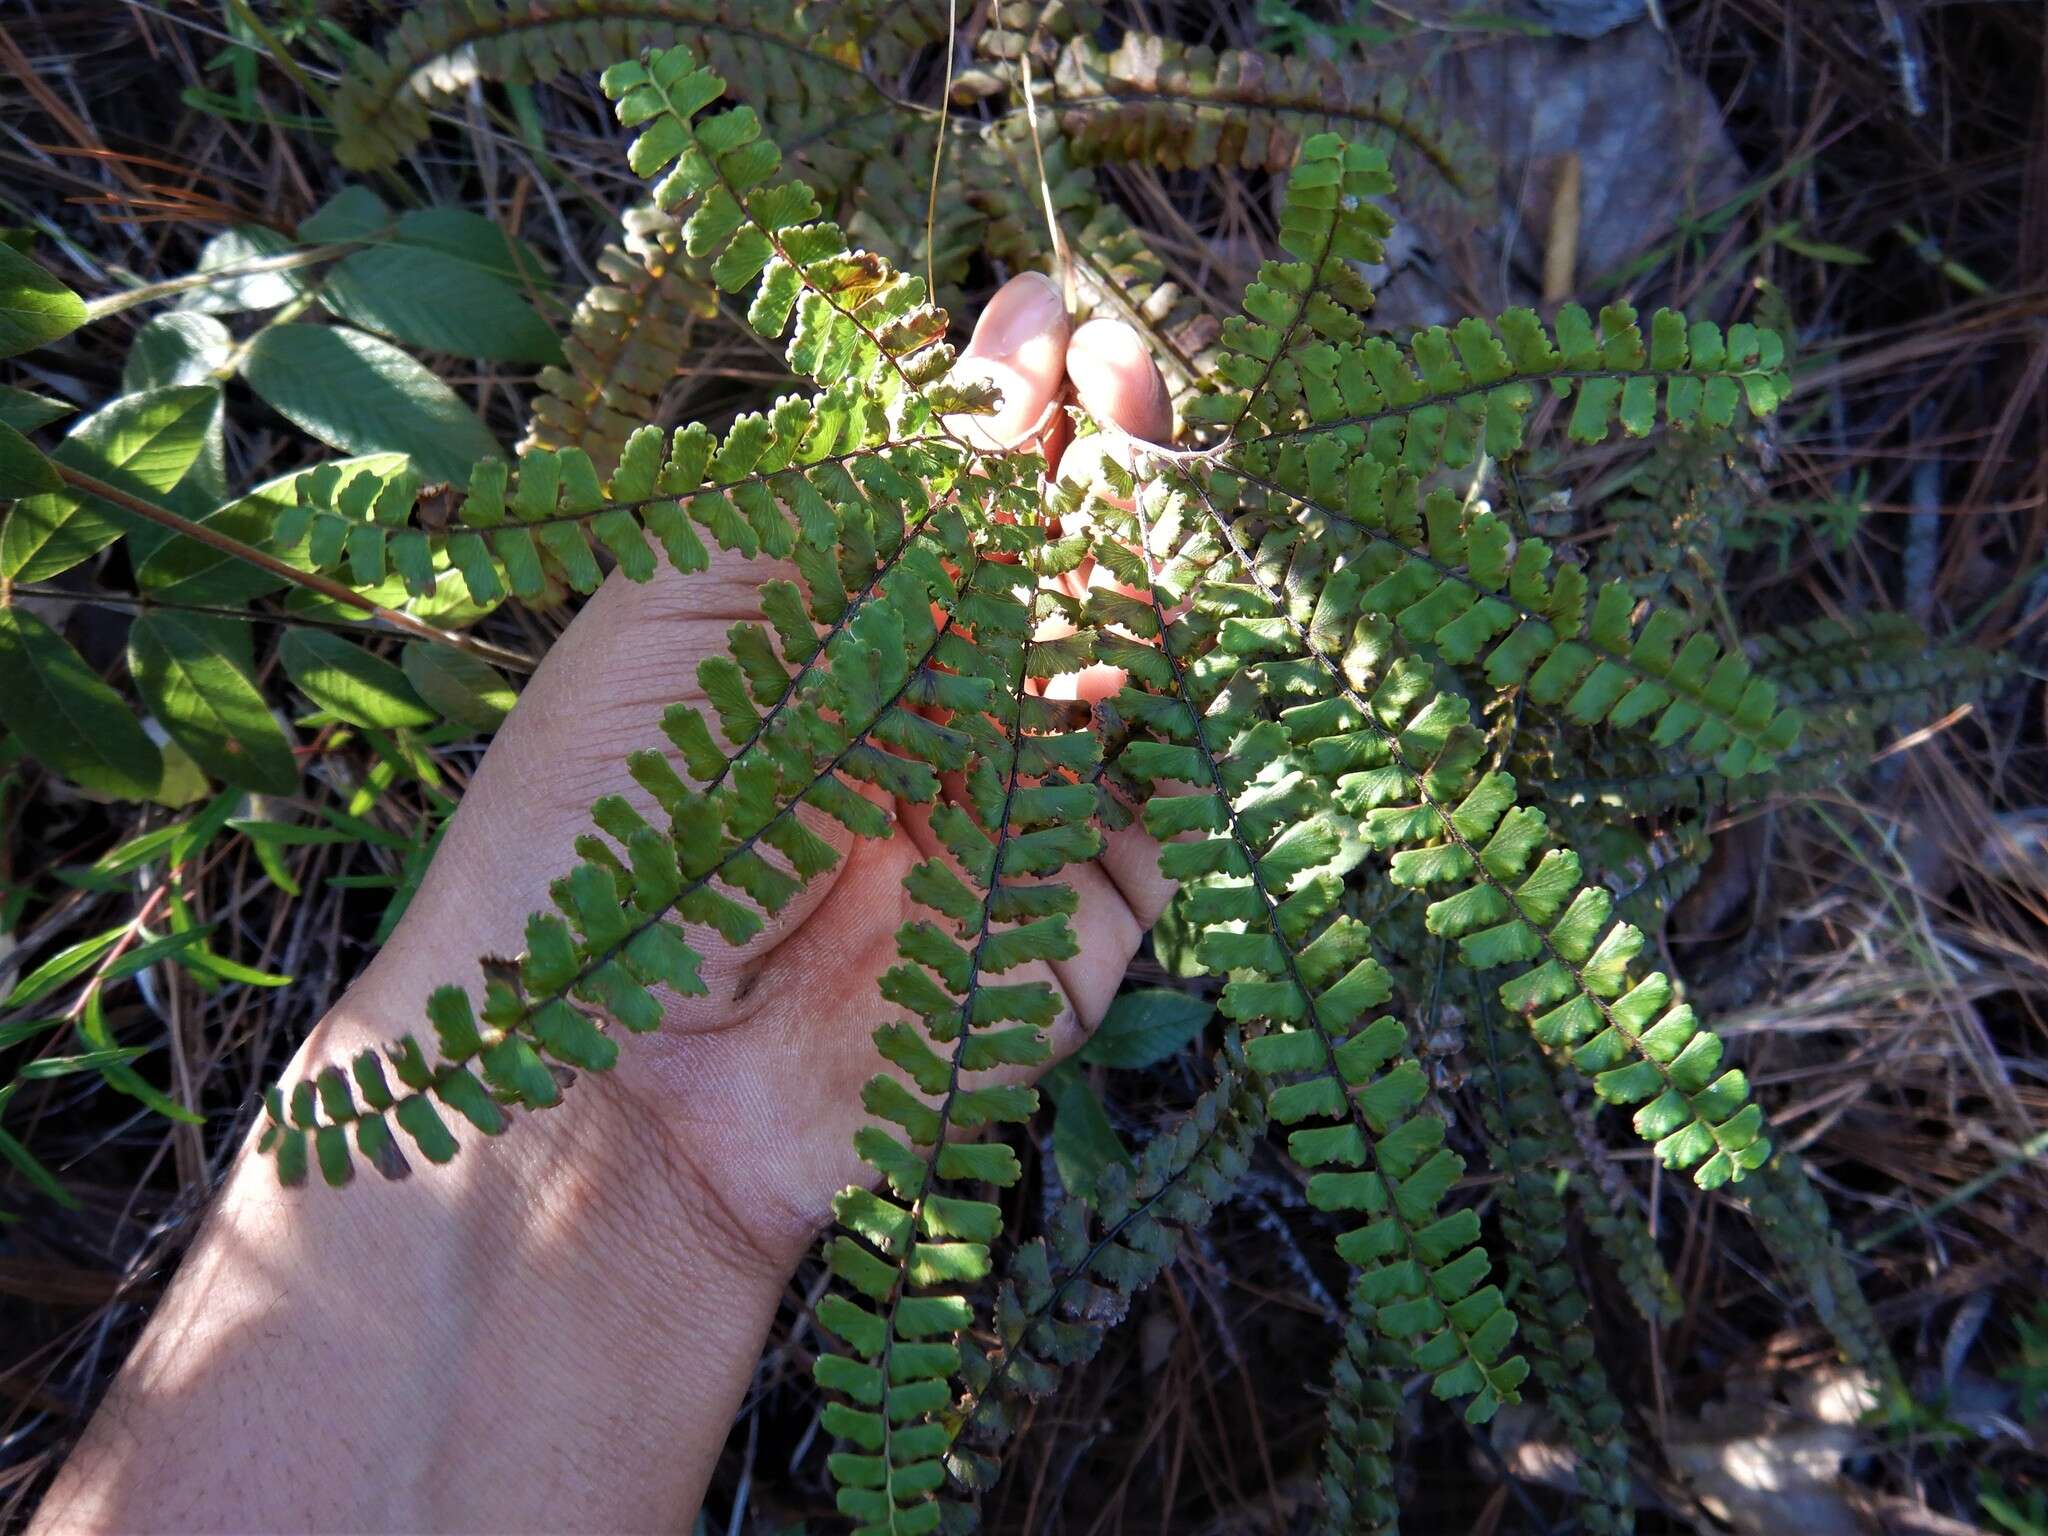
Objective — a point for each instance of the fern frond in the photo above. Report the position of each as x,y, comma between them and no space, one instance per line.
617,931
1260,861
1611,1206
1881,669
385,102
1062,1294
908,1254
1186,106
1361,1423
625,340
1850,682
1526,1140
808,713
1404,758
793,482
1794,1221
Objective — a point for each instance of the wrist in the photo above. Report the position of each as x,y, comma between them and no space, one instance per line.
612,1169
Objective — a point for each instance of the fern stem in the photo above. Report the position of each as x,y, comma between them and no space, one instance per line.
985,926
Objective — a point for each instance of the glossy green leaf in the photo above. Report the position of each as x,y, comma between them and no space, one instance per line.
142,443
34,307
347,681
475,240
70,720
23,469
353,213
428,299
364,395
1084,1143
25,411
179,346
232,254
1146,1026
191,673
466,689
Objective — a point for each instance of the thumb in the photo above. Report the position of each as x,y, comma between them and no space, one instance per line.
1019,346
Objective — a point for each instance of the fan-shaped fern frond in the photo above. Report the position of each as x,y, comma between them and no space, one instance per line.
1306,619
807,713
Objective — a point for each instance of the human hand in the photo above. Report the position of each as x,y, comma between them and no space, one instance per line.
553,1333
750,1096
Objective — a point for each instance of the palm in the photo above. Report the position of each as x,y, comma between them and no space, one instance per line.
797,1004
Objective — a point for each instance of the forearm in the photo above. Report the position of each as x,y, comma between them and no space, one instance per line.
562,1318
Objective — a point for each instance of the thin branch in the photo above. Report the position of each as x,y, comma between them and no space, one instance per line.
214,539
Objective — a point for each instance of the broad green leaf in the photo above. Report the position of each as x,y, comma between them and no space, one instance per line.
353,213
466,689
142,443
448,606
346,680
475,240
191,673
68,719
1083,1141
23,469
184,782
363,395
231,253
25,411
1146,1026
426,298
179,346
185,571
34,307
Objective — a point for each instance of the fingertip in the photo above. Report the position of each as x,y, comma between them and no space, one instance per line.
1117,381
1019,346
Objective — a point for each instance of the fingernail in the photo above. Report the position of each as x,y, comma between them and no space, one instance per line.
1029,305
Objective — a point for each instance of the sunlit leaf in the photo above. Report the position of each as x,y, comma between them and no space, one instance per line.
70,720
